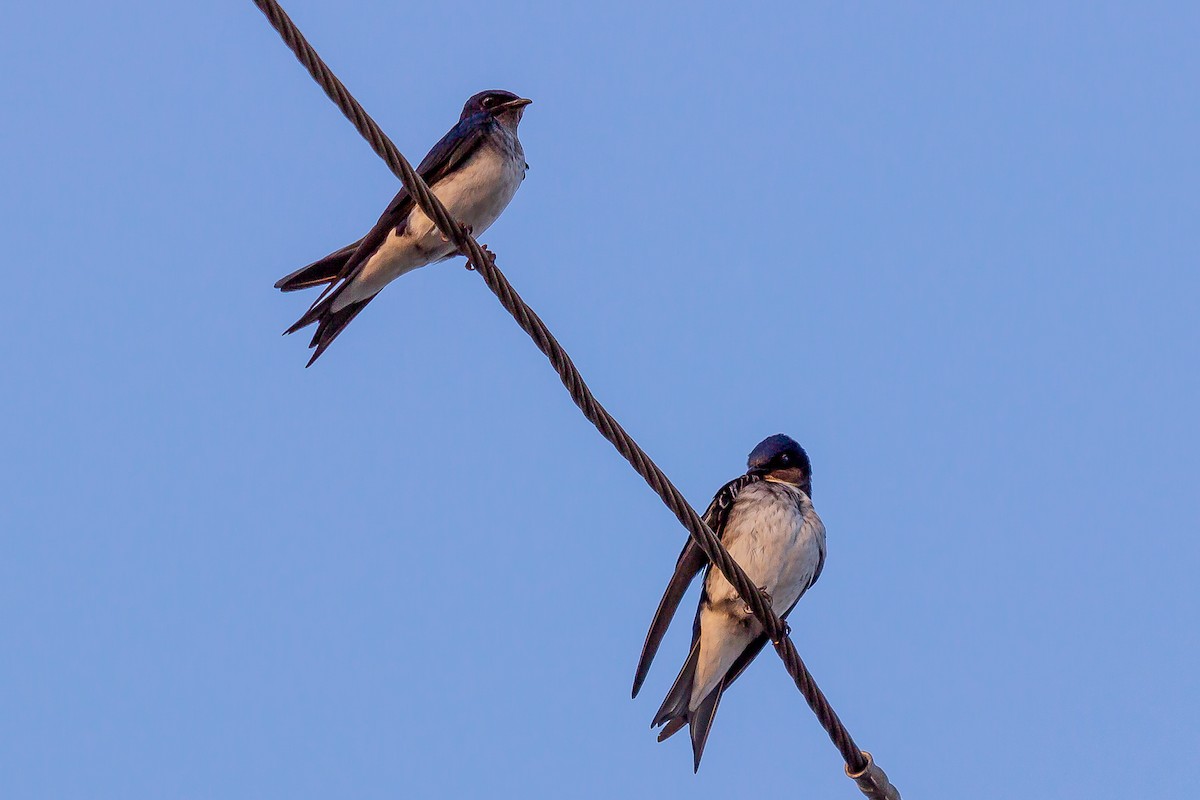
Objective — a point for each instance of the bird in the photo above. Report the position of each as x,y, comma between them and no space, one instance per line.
474,170
765,519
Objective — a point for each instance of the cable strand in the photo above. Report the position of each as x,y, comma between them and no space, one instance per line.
859,765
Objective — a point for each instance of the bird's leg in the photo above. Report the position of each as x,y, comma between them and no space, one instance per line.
785,630
491,257
766,596
466,229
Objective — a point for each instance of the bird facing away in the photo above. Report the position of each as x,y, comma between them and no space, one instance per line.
474,170
766,521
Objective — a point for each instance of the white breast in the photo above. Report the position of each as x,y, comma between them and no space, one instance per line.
475,194
775,539
775,535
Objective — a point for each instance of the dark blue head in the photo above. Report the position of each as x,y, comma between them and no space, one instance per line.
780,458
504,106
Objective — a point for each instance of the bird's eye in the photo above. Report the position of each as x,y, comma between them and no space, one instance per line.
490,101
785,459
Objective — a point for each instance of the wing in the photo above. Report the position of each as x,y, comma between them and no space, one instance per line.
459,144
690,562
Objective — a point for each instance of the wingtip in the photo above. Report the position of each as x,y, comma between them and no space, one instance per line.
642,671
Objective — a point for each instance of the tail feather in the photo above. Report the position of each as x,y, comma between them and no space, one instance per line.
701,722
330,323
675,704
675,711
673,727
325,270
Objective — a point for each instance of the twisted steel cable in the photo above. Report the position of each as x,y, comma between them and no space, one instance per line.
859,765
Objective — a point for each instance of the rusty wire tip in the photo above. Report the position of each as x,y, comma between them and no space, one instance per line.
873,781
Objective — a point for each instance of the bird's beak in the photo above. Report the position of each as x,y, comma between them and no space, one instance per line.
520,102
757,471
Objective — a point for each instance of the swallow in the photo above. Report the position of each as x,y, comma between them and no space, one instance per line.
474,170
766,521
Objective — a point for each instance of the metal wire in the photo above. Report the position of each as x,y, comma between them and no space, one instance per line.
857,762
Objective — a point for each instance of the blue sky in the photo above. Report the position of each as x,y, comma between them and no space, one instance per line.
951,249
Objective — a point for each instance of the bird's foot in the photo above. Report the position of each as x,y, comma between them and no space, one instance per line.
491,257
462,226
765,595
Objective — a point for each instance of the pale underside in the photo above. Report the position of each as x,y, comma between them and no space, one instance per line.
779,543
474,194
